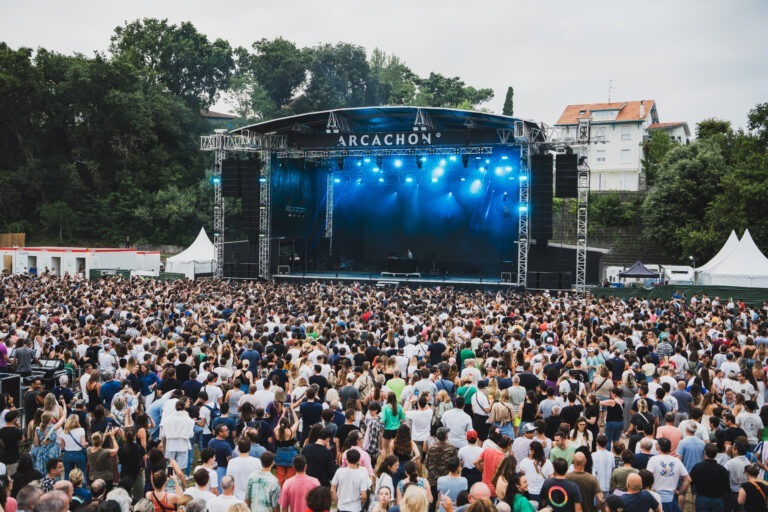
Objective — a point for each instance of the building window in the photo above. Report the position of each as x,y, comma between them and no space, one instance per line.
626,133
601,156
625,156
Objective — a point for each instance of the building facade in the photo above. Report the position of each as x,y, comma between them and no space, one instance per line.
618,131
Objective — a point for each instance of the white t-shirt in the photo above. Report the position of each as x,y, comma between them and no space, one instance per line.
521,448
213,481
667,472
215,394
70,437
241,468
263,398
350,483
222,503
469,454
421,422
603,464
535,477
458,423
198,494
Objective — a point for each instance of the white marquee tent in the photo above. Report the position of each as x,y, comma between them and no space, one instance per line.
745,266
195,259
723,253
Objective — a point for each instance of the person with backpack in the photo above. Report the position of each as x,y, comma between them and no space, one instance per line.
209,412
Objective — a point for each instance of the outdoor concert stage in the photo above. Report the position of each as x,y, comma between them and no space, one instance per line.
425,195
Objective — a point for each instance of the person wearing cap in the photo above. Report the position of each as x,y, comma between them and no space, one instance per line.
438,457
521,445
468,456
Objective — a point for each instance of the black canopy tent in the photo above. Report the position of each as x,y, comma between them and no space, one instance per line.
639,271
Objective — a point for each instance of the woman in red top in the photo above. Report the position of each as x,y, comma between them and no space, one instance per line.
491,457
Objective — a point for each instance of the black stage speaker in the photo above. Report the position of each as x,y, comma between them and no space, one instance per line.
566,176
230,177
540,219
11,383
249,192
241,259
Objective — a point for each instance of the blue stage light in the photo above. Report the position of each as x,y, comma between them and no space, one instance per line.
376,169
398,163
434,180
367,160
508,168
216,180
442,162
523,178
487,160
423,159
381,180
452,158
482,170
523,208
476,186
463,178
438,173
336,180
505,157
408,179
359,163
499,171
262,180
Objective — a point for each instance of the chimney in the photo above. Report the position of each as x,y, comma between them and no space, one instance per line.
642,109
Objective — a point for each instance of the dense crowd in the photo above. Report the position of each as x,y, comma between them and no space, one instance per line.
223,397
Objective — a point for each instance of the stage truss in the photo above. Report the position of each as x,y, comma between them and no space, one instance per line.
221,142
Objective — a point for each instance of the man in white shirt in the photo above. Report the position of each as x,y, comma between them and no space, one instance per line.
350,484
215,394
200,491
670,478
421,419
264,396
458,424
176,429
471,371
603,463
226,499
242,467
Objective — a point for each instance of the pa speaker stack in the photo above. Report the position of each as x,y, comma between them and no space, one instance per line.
566,176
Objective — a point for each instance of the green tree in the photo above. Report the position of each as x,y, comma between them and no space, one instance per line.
688,180
711,127
58,216
391,82
440,91
280,69
338,78
509,102
758,122
655,149
177,56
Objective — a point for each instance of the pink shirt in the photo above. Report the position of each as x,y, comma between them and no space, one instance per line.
672,433
294,493
365,460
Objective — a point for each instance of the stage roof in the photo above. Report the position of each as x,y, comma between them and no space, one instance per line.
386,119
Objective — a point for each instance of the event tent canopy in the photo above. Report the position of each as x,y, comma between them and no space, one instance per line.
638,270
744,266
722,254
195,259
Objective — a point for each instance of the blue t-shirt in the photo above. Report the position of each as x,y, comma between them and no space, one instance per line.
222,450
451,486
642,501
691,451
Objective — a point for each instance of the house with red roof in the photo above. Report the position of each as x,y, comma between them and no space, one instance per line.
624,126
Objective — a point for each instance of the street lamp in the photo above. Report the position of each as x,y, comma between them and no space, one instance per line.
693,262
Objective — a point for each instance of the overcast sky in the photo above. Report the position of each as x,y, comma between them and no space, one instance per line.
696,58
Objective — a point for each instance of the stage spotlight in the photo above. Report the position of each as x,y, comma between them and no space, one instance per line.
487,160
359,163
463,178
504,198
505,157
482,170
216,180
367,160
262,180
336,180
452,158
376,169
442,162
465,160
499,171
523,208
408,179
434,180
508,168
398,163
476,186
438,172
381,180
340,163
523,178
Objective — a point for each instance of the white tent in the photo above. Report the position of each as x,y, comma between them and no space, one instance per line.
195,259
744,266
723,253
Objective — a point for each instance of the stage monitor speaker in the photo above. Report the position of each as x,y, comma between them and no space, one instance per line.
540,219
230,177
566,176
11,383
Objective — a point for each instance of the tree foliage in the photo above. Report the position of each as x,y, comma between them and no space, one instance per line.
655,150
509,102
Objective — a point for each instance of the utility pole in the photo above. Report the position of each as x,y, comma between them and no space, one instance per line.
610,89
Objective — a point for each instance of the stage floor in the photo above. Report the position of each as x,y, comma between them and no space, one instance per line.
473,281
